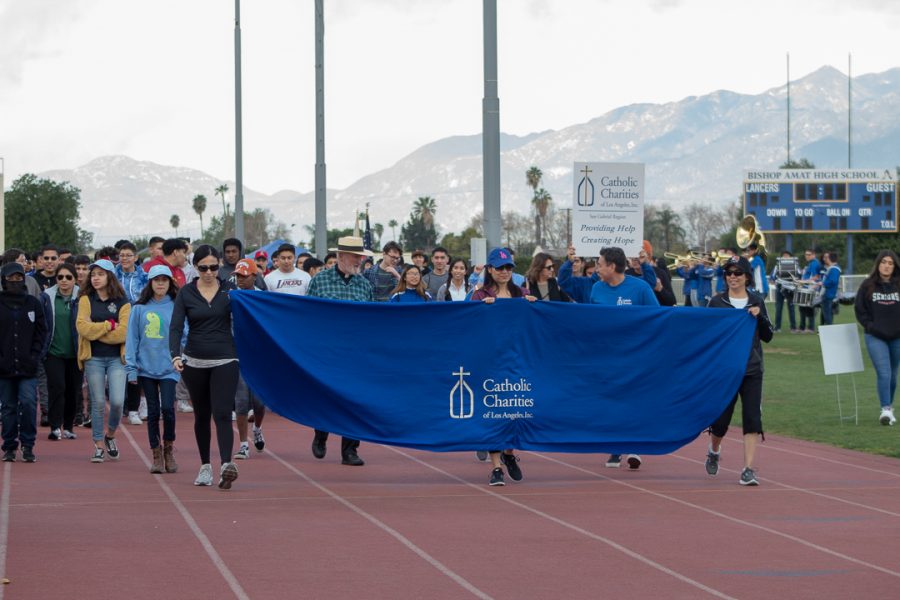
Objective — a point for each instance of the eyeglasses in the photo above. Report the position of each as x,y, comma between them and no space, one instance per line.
734,273
64,278
50,258
549,267
205,268
394,256
504,268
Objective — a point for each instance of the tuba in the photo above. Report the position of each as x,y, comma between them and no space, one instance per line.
748,233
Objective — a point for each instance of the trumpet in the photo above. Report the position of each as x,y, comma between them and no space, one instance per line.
679,260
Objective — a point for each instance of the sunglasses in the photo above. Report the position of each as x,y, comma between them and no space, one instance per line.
549,267
734,273
50,257
205,268
64,278
504,268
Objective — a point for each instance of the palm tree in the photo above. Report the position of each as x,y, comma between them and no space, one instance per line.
175,221
424,208
533,178
393,225
670,226
199,208
541,202
222,190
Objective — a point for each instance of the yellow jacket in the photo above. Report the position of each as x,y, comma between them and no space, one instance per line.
88,331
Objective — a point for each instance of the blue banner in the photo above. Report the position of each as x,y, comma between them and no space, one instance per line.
450,376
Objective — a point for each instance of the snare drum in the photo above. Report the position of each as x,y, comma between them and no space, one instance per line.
804,297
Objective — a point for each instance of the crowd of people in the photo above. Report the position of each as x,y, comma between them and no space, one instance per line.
148,340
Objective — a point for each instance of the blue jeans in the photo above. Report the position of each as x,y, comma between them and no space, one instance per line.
98,371
18,411
160,394
885,358
780,299
827,311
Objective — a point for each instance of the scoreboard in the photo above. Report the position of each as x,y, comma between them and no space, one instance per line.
822,200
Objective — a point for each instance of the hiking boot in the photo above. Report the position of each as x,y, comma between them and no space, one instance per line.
98,455
157,466
748,477
9,455
497,477
712,463
28,454
243,452
614,461
227,475
512,467
169,457
259,442
204,477
111,447
634,462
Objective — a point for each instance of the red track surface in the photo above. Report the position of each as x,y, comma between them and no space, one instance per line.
825,523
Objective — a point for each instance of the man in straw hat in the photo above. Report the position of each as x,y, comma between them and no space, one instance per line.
343,282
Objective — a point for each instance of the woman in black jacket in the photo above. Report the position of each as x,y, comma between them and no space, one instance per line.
878,311
209,365
738,276
23,341
541,282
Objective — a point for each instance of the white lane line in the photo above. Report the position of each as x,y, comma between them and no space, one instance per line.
716,513
615,545
4,520
198,533
441,567
803,490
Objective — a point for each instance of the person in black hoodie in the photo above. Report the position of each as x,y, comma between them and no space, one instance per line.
878,311
738,277
23,343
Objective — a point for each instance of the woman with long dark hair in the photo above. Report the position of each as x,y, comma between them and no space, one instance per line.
63,375
541,282
457,286
411,289
102,325
878,311
209,364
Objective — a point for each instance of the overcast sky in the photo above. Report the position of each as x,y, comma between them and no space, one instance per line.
154,79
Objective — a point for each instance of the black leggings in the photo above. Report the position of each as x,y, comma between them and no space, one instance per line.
751,408
212,392
64,386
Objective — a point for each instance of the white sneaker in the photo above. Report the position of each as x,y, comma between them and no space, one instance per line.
204,477
68,435
134,418
185,406
887,416
142,409
243,452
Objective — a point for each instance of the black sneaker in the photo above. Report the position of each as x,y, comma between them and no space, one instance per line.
79,420
712,463
352,459
481,455
512,467
634,462
497,477
259,442
614,461
111,447
54,434
28,454
87,421
748,477
9,456
319,448
98,455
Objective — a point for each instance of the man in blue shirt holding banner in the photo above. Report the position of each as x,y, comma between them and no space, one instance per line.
617,289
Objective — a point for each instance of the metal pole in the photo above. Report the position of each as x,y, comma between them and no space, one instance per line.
789,107
321,232
849,155
2,209
238,149
490,136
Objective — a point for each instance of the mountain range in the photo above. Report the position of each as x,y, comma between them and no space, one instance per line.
695,150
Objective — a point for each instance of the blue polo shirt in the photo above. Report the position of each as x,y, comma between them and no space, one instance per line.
632,291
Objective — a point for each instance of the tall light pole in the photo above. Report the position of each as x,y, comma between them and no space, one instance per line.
321,233
490,136
2,208
238,149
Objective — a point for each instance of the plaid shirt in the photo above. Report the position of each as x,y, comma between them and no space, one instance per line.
328,283
382,282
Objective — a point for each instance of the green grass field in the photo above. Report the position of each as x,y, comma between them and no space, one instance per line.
800,401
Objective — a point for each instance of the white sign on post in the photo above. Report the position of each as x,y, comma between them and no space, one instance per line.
840,349
608,207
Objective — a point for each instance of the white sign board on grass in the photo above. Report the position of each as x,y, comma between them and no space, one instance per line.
841,352
608,207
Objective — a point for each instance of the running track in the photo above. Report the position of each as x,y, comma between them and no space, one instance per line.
825,523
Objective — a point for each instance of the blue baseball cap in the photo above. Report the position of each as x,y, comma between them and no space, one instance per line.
104,264
159,271
500,257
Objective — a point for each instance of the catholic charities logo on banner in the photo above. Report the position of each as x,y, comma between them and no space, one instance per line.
500,399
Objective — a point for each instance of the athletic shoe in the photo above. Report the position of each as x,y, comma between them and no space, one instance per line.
69,435
111,447
28,454
98,455
634,462
512,467
134,418
614,461
497,477
887,416
748,477
259,442
481,455
87,421
79,419
185,406
204,477
319,448
712,463
54,434
9,456
227,475
352,459
142,409
243,452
